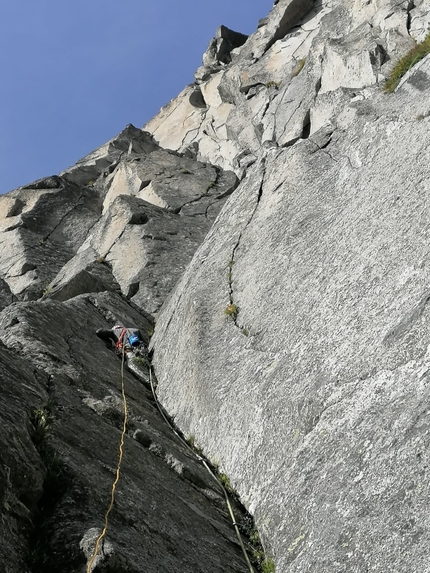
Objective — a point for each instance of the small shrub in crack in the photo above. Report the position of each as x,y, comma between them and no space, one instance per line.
299,67
417,53
268,566
273,84
225,480
41,418
264,564
140,361
192,443
231,311
40,557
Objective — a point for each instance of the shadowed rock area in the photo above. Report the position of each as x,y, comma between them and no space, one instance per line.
61,415
78,251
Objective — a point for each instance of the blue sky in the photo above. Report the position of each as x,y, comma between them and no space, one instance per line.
75,73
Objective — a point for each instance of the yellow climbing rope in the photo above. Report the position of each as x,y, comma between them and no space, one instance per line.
118,470
206,466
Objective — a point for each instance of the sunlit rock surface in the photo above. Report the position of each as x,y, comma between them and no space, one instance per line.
271,224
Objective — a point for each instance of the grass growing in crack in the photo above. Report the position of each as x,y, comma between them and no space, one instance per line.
225,480
256,552
298,68
273,84
40,557
268,566
231,311
191,442
409,60
41,418
140,361
47,289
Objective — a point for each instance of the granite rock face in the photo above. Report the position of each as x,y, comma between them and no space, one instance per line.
61,419
101,243
277,81
296,346
131,206
291,314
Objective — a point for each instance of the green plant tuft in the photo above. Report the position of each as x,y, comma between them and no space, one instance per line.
191,440
268,566
273,84
422,116
231,311
140,361
299,67
41,419
409,60
225,480
47,289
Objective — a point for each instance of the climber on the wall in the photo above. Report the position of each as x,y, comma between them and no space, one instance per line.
119,337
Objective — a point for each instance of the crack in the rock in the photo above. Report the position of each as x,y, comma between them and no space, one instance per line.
323,147
407,322
410,7
22,257
213,184
289,119
78,203
232,261
204,194
115,242
286,23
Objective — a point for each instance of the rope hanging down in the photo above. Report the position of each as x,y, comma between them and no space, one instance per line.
227,499
118,469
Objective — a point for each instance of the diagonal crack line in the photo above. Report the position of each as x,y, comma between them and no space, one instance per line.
410,7
75,206
236,246
323,148
31,247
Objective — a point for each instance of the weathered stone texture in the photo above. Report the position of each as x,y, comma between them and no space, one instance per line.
273,84
314,397
294,348
164,516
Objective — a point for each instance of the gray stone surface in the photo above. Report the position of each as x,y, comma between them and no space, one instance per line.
275,81
156,213
67,235
41,229
294,348
314,397
169,514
